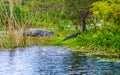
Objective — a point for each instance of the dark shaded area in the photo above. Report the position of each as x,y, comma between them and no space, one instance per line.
53,61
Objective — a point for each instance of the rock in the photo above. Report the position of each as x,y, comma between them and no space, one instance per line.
71,36
38,33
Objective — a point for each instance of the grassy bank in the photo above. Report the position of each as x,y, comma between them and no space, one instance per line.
98,43
22,16
91,40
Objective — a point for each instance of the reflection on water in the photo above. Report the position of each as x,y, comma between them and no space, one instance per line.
53,61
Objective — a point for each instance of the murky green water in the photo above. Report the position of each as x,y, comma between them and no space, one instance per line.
53,61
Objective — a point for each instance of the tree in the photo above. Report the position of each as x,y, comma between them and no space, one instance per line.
108,10
78,11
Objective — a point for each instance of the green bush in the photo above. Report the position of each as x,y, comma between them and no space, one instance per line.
100,40
22,15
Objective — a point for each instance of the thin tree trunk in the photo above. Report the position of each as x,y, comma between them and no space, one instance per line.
83,25
82,19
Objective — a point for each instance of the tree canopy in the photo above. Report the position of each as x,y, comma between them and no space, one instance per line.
78,11
108,10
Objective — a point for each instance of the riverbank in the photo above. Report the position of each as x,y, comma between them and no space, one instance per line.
100,43
91,43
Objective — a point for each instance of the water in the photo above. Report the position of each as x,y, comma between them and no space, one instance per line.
53,61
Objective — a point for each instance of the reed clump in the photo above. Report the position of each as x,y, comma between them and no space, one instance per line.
13,24
14,39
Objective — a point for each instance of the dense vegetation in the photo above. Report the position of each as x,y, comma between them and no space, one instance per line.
97,21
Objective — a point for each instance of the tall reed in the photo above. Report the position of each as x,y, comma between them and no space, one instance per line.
12,26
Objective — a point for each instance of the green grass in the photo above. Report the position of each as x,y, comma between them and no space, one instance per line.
91,40
99,43
96,41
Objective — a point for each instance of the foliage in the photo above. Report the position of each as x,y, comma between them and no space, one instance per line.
62,14
21,14
108,10
11,42
3,15
100,40
78,11
47,13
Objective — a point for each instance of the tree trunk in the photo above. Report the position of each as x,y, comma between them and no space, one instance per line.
83,25
82,19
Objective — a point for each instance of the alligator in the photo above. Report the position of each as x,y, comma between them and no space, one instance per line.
38,33
71,36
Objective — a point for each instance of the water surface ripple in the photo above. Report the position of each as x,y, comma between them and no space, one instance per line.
53,61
